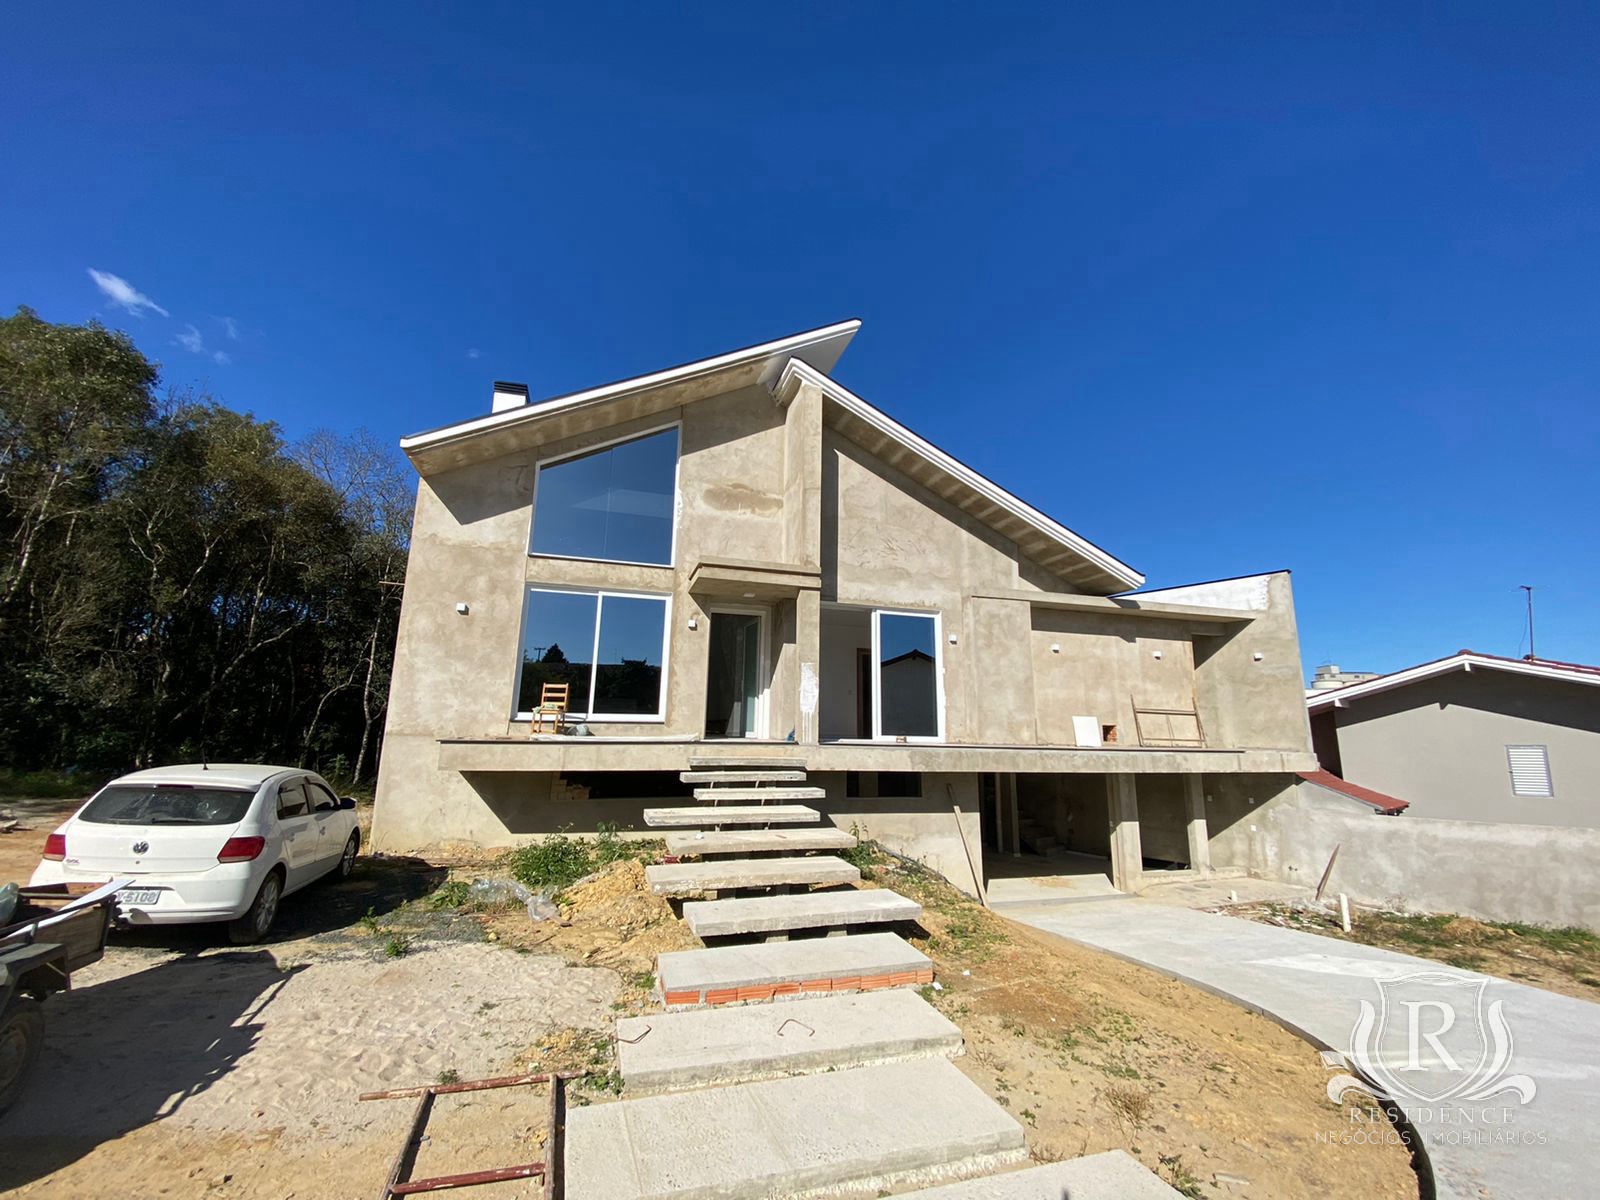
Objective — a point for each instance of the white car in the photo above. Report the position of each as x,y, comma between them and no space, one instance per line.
207,843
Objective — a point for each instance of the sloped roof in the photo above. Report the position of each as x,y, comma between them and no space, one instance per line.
1461,660
1378,800
780,365
486,437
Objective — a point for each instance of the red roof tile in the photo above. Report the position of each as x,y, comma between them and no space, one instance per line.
1384,804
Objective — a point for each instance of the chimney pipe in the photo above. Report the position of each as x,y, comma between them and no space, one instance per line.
509,395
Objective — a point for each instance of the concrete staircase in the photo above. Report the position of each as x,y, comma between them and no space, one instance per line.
1033,835
800,1068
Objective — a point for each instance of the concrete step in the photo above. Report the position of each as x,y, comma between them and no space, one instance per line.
859,1131
759,795
724,974
730,814
685,879
758,841
670,1052
741,776
1113,1175
809,910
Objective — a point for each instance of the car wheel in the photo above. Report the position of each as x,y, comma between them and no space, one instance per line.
258,918
347,860
21,1039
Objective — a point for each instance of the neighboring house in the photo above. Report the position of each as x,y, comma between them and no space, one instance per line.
1330,676
1474,737
739,558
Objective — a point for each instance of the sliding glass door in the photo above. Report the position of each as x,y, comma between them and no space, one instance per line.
908,699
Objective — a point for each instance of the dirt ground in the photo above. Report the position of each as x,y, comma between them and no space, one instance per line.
1559,960
1091,1053
185,1067
181,1066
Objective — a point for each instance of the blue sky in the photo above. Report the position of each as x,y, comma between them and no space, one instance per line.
1225,289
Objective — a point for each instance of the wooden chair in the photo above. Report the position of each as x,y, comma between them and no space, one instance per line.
552,707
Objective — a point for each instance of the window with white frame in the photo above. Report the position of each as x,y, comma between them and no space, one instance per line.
609,647
615,504
1530,770
908,696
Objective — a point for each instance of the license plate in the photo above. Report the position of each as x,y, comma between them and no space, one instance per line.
139,895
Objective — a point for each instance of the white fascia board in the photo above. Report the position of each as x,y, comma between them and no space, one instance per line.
815,339
1340,697
797,372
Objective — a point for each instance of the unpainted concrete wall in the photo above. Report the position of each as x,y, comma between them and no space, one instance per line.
760,481
1441,743
1496,872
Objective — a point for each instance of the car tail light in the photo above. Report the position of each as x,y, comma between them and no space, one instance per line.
55,847
241,849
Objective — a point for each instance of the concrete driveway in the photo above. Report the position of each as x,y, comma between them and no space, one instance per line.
1493,1145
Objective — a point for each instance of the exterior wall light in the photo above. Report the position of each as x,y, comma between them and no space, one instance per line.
1055,647
1156,654
952,639
1258,656
461,607
694,622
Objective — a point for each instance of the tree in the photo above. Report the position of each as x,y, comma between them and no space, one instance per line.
177,580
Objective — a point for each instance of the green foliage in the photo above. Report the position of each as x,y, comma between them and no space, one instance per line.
176,581
453,894
397,946
560,860
49,785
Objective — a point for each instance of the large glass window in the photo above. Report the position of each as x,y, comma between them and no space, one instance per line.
608,647
616,503
907,656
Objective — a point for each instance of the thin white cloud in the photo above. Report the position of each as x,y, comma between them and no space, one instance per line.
230,327
474,353
192,340
124,295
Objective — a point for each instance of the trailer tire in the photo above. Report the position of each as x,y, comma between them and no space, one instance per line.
21,1039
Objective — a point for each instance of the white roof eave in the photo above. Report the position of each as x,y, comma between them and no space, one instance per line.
825,345
1339,697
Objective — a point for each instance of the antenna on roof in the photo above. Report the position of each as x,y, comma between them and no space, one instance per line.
1529,589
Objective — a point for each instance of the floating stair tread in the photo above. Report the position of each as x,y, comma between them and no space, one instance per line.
680,1050
741,776
681,879
730,814
900,1123
757,841
789,965
1112,1175
760,794
807,910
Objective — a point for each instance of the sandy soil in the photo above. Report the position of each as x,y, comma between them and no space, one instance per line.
179,1066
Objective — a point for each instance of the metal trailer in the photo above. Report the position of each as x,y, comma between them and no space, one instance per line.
62,928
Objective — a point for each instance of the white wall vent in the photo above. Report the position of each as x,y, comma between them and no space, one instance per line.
1530,770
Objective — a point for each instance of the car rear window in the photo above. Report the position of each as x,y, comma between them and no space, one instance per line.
167,804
